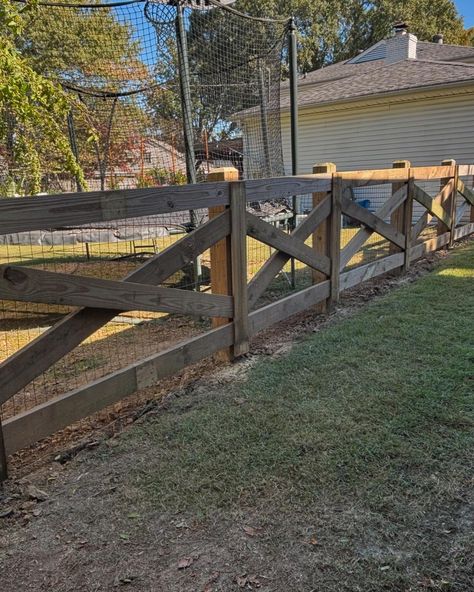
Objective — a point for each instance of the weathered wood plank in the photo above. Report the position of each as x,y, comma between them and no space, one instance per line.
426,218
429,246
407,223
466,170
466,192
360,274
3,456
398,216
238,239
55,211
276,238
335,239
36,285
359,239
433,207
221,260
53,344
463,231
278,260
363,215
320,238
263,189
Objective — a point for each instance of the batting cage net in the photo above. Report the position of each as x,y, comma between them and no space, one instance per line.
161,92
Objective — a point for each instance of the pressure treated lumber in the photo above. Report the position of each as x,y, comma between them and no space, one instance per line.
56,342
262,279
433,206
36,285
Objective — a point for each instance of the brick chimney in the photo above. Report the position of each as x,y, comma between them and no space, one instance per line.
402,46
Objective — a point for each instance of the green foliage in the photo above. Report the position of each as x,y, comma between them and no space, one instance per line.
162,176
31,106
333,30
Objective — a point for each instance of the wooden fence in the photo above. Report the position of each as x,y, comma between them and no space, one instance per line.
232,303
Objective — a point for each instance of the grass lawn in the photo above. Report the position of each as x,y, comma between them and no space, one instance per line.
345,464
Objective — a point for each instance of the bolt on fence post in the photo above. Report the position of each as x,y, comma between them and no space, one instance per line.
221,262
335,239
398,218
3,457
238,242
321,235
447,202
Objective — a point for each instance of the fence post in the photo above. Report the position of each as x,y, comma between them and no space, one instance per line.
322,233
221,262
453,206
447,202
398,217
238,241
335,239
407,220
3,457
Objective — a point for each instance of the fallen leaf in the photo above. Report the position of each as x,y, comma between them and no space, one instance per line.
185,562
242,581
36,494
313,541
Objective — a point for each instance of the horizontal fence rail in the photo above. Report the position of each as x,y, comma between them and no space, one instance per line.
399,224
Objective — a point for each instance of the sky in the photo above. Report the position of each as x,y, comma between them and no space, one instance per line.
466,9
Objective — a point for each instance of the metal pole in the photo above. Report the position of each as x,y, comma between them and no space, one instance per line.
187,112
293,66
264,120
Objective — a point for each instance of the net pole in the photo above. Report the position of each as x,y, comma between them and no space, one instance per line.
186,106
293,67
264,119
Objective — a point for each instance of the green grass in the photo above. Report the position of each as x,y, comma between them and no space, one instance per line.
377,409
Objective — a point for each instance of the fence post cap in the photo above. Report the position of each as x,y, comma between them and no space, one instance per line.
324,167
448,162
401,164
224,174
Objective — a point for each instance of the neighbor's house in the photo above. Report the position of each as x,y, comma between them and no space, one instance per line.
400,99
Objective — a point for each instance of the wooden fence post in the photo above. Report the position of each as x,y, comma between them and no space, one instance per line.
407,221
238,240
398,217
3,457
321,243
335,239
453,206
221,259
447,202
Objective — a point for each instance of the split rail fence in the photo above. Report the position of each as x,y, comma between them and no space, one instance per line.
233,303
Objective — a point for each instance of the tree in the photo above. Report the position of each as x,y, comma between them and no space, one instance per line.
30,107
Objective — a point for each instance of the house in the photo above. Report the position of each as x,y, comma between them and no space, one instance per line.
400,99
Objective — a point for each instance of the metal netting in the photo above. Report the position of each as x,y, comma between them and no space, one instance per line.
162,93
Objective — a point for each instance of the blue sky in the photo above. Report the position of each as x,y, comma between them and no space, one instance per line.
466,9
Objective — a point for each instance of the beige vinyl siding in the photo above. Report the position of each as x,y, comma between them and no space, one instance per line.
360,136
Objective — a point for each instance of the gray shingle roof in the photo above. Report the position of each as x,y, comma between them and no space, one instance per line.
384,78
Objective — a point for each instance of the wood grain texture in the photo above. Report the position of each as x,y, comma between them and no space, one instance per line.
372,221
448,200
264,189
335,239
360,274
56,342
276,238
35,285
278,260
398,215
55,211
466,192
359,239
432,206
238,240
426,218
320,238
